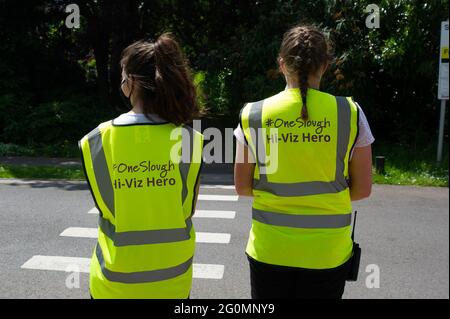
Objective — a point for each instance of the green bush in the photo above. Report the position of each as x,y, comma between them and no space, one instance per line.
49,128
15,150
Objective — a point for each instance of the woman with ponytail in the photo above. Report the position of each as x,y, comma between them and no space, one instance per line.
143,172
303,155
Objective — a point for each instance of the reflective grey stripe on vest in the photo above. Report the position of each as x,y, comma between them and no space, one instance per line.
100,167
304,188
302,221
141,276
255,122
145,237
187,146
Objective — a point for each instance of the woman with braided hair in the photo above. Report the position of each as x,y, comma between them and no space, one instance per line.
304,155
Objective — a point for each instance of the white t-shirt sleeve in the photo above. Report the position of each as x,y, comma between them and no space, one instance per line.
365,136
239,134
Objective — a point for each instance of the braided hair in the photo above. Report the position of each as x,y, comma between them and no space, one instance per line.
304,50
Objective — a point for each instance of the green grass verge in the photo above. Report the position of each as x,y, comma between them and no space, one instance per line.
406,165
41,172
424,176
396,176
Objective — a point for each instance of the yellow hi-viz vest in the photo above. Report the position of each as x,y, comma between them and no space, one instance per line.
301,213
145,196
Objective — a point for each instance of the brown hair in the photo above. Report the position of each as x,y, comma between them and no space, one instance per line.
163,78
304,50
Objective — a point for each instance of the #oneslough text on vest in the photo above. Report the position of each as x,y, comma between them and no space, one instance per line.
317,136
143,167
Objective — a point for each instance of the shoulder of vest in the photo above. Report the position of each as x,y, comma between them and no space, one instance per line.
242,109
246,105
353,105
249,104
98,130
105,125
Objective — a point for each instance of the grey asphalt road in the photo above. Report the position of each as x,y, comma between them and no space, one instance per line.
404,231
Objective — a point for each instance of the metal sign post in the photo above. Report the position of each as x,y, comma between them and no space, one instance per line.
443,84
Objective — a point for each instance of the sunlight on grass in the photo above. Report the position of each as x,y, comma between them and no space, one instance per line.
41,172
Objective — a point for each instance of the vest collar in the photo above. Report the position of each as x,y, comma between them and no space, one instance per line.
136,119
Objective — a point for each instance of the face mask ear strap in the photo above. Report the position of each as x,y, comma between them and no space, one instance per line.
131,90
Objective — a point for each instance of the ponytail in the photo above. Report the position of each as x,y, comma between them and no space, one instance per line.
164,79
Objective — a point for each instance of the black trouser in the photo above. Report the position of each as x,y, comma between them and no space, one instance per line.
280,282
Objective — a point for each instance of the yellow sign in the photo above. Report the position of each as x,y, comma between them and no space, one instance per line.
444,53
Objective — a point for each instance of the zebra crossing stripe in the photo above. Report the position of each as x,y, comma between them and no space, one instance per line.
212,238
58,263
93,211
226,198
217,187
201,237
224,214
81,232
208,271
78,264
202,197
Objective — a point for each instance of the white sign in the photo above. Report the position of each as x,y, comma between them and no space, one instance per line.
443,63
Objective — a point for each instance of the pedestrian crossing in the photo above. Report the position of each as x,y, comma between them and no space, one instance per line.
216,198
225,214
200,270
78,264
201,237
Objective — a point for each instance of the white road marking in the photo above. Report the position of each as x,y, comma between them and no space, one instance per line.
81,232
71,264
212,238
217,186
227,198
208,271
57,263
208,238
226,214
93,211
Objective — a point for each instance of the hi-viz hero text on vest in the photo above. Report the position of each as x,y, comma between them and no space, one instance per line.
145,196
301,213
